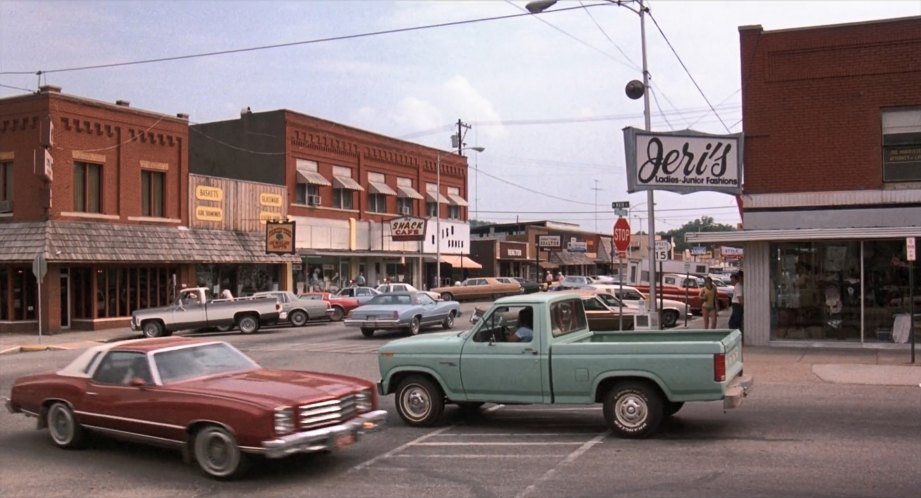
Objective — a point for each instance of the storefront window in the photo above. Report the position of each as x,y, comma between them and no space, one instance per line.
817,292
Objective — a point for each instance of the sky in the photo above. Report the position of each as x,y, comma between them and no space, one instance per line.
543,94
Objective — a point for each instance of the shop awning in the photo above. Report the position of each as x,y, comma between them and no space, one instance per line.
312,177
435,197
408,192
380,188
458,261
456,200
804,234
347,183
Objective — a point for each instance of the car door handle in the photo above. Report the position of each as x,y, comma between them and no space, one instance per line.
90,393
529,350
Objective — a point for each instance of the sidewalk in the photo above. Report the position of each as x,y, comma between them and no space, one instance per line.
852,365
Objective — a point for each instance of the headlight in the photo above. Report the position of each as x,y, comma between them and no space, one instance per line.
363,400
284,420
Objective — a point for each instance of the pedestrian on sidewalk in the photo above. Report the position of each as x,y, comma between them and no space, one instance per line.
708,303
738,300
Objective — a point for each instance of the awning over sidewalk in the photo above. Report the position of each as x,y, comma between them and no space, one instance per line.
460,262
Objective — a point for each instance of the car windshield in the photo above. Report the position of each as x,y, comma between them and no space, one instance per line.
200,360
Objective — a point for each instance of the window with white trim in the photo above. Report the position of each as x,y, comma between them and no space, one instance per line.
343,198
87,187
454,210
901,145
6,184
377,202
431,208
304,190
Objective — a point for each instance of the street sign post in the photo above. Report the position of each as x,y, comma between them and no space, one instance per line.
663,247
621,236
39,269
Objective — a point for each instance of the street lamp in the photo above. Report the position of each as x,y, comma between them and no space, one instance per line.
438,210
538,6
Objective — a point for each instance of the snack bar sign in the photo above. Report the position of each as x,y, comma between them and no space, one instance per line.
684,162
407,228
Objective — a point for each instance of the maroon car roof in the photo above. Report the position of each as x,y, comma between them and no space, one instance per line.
147,345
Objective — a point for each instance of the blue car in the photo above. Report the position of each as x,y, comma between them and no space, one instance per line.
409,311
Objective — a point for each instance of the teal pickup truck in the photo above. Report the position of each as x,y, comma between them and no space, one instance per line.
638,377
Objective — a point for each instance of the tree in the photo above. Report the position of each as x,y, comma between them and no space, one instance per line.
702,224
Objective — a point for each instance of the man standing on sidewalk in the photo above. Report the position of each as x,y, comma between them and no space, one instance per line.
738,300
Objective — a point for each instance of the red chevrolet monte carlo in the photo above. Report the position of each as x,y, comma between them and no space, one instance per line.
204,397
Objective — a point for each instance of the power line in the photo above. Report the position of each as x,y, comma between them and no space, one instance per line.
277,45
683,66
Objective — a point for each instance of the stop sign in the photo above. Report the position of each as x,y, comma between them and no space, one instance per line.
621,234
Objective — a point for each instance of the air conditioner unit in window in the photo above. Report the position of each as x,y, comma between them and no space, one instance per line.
6,206
313,200
406,210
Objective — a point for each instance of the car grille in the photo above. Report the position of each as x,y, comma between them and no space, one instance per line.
327,412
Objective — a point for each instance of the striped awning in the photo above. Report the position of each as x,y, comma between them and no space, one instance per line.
312,177
347,183
380,188
456,200
408,192
435,197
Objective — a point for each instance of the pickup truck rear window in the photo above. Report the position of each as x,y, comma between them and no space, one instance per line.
567,317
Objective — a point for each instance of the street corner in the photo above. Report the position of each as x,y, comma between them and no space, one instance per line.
878,375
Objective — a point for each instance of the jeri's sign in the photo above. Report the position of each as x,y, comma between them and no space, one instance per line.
683,162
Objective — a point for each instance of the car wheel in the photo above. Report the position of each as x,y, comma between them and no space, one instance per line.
447,296
152,328
633,410
298,318
217,453
367,332
414,326
419,401
448,321
63,428
672,407
337,314
669,318
248,324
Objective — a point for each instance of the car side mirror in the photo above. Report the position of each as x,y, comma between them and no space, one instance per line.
137,382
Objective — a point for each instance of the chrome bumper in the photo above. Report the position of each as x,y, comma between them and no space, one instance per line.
737,390
324,438
9,405
375,324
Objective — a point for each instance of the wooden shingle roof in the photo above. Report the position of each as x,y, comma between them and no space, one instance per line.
73,242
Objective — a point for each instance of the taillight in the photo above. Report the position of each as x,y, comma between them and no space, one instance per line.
719,367
277,307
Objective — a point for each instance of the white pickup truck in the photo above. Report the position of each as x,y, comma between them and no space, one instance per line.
194,309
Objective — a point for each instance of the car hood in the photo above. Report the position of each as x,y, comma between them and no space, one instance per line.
434,343
271,388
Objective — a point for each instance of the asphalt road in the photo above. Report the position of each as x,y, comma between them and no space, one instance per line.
789,438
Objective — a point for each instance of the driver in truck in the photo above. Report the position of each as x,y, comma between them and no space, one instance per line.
525,329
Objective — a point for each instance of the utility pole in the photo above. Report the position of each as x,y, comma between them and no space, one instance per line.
596,189
458,139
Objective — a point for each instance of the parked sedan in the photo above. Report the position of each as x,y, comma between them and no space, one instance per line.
362,294
203,397
404,287
409,311
338,306
296,311
671,310
574,282
479,288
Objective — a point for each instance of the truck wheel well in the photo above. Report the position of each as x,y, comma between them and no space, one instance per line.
608,384
398,377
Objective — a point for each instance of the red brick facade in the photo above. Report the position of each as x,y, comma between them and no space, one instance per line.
812,100
120,139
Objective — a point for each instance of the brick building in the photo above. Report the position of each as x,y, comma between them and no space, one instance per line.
100,193
832,187
344,186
